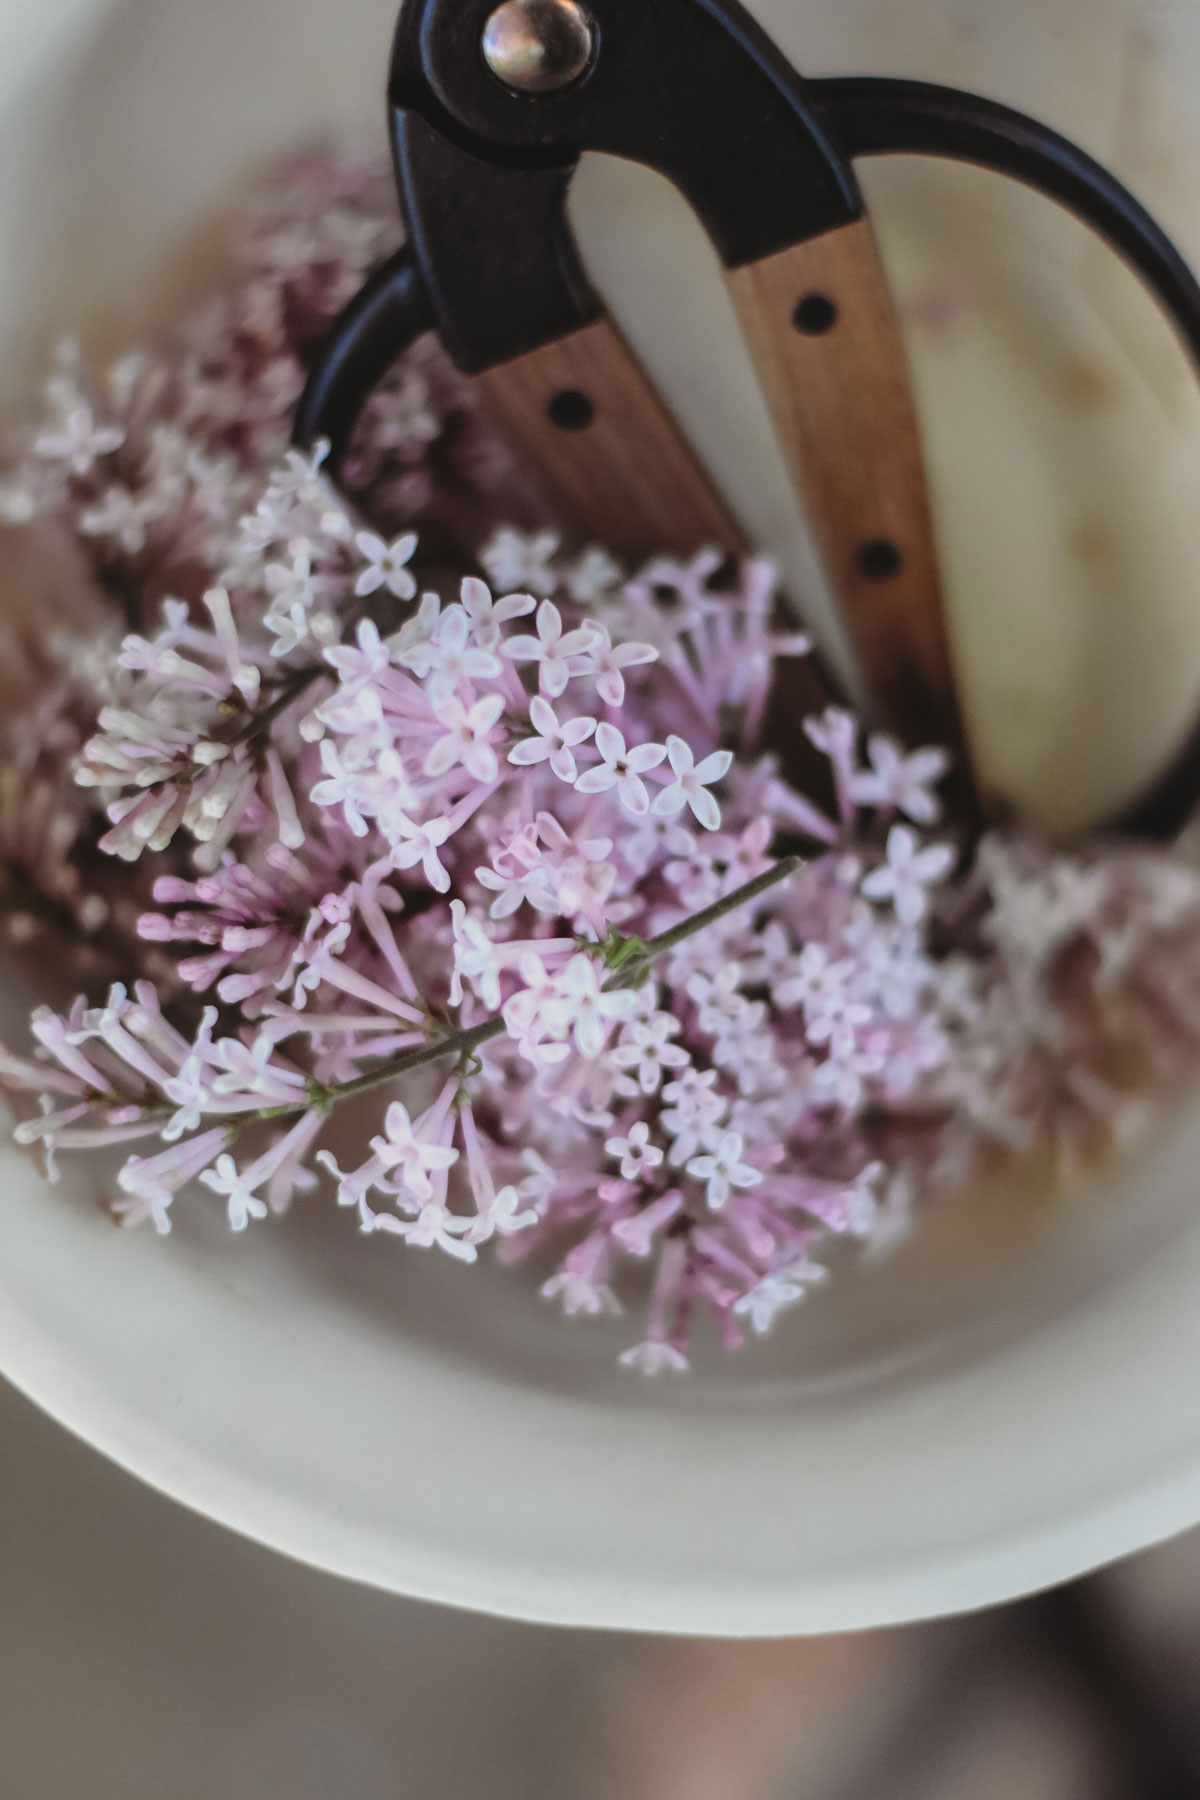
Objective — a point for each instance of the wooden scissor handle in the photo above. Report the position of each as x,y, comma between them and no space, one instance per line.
821,328
582,415
586,422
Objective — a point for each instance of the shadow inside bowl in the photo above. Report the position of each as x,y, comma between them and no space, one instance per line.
1002,1260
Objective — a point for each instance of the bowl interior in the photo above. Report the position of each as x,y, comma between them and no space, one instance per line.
1006,1401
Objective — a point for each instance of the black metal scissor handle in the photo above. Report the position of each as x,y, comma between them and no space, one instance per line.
879,117
491,262
876,116
483,176
542,280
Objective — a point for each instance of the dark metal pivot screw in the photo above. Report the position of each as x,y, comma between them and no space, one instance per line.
538,46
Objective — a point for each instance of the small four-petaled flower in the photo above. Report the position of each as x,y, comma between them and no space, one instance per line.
621,769
692,782
722,1169
908,874
635,1153
386,565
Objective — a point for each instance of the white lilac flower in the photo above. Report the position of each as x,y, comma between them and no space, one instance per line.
486,615
408,1154
593,578
647,1052
477,959
524,884
290,626
149,1184
504,1216
827,989
359,664
251,1069
191,1092
447,657
621,769
342,786
235,1187
580,1293
634,1152
692,782
124,516
386,565
687,581
747,853
908,874
298,480
783,1288
586,1008
652,844
435,1226
420,844
558,654
607,662
518,560
79,440
693,870
293,585
692,1094
419,627
554,743
842,1078
582,875
466,738
718,998
533,1029
901,781
722,1170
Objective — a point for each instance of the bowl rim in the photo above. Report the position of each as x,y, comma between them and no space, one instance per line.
1133,1514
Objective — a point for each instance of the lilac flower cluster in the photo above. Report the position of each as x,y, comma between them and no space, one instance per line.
151,469
411,803
136,494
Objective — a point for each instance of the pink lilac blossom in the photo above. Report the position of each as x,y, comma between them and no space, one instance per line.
511,855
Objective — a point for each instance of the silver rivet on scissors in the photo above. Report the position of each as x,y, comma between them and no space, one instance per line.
538,46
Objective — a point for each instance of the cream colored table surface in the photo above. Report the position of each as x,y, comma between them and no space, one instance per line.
145,1654
148,1655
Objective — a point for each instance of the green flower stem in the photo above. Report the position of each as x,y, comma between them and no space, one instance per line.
461,1044
679,934
464,1044
291,691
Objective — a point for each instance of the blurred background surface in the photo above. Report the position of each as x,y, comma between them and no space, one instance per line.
146,1654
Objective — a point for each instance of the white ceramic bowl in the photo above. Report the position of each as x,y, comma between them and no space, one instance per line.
1010,1401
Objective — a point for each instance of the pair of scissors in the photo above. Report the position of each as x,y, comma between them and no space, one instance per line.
491,107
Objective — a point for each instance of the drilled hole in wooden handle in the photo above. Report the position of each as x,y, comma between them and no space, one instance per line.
879,559
815,314
581,415
571,410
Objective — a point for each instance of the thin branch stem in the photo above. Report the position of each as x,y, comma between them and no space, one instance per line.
455,1043
720,909
464,1044
259,722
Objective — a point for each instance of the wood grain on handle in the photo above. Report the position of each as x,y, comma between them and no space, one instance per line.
628,480
615,466
821,328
